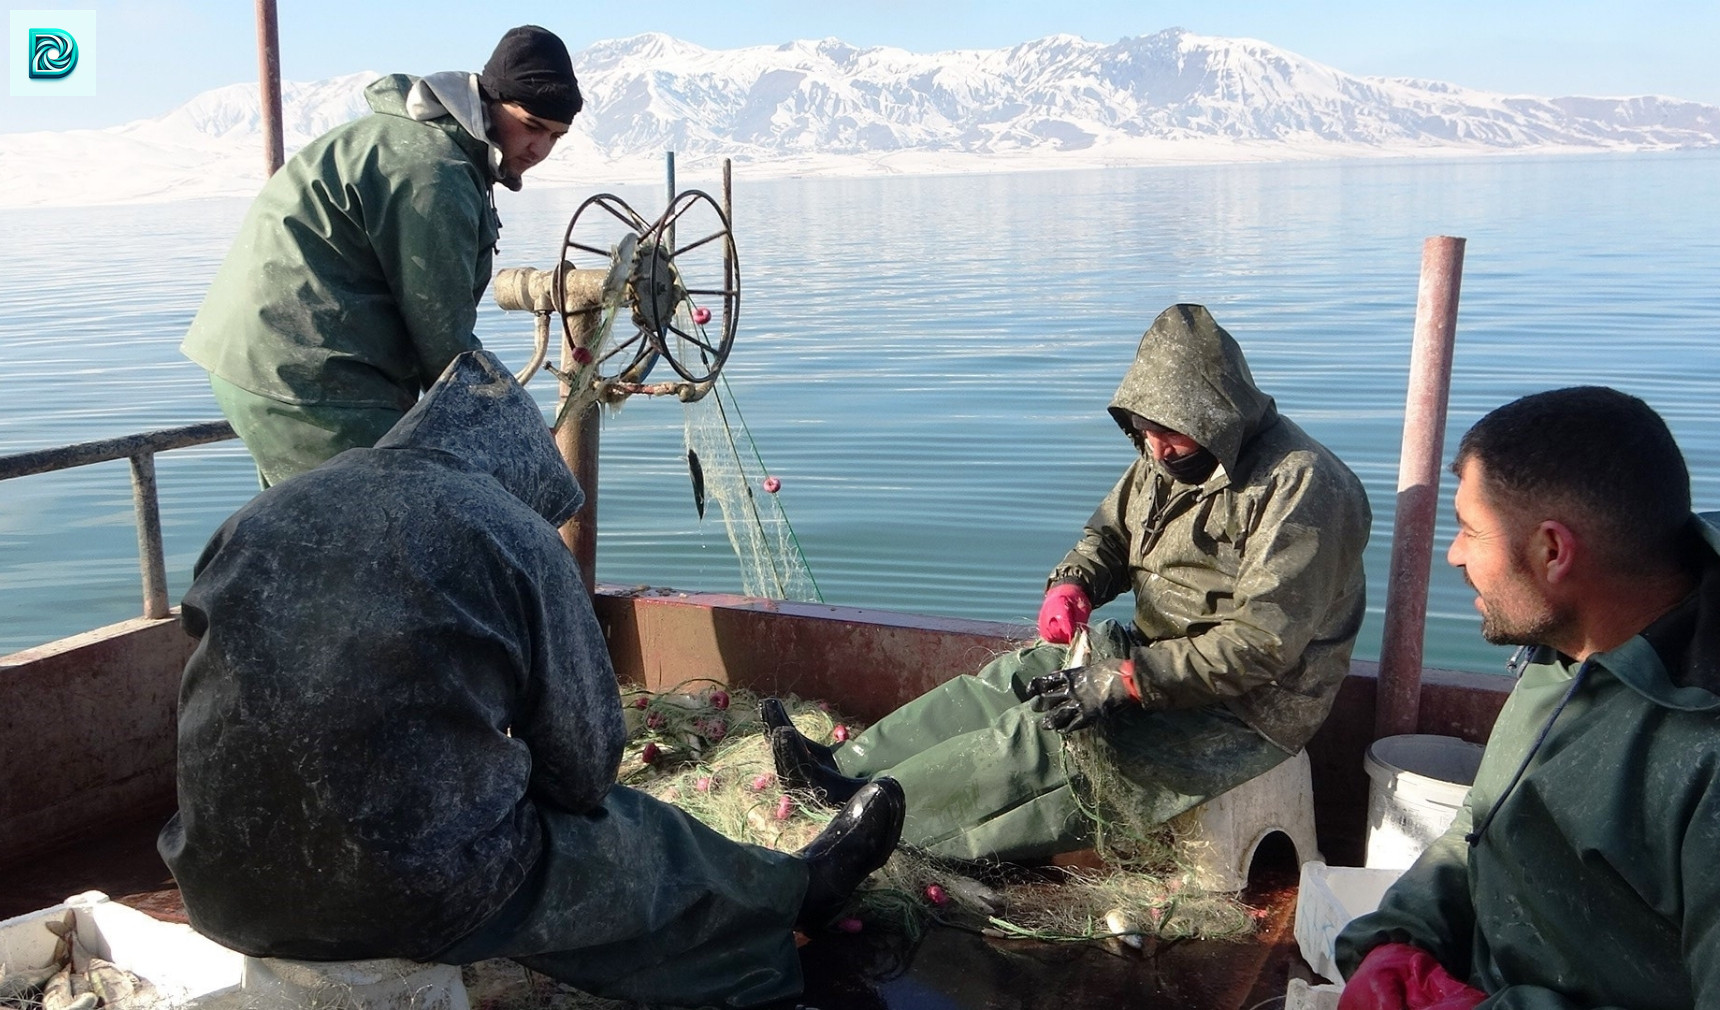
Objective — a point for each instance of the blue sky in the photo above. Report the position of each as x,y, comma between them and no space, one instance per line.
155,54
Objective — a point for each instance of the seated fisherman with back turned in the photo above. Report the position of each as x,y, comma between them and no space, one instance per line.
400,729
1241,538
1583,869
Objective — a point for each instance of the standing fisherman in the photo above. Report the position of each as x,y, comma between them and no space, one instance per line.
356,274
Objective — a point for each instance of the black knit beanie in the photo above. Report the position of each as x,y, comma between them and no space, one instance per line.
530,67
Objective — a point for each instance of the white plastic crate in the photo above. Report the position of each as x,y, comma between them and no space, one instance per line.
180,964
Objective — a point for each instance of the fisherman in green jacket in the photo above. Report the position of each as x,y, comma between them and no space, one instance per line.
1241,538
356,275
1583,869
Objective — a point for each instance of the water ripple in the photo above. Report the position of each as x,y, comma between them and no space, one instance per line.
924,362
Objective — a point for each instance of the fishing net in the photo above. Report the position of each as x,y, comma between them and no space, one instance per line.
702,748
770,559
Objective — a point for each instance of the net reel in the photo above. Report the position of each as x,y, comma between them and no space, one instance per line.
631,294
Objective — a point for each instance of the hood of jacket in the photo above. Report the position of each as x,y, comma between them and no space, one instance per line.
452,93
1675,662
478,413
1189,375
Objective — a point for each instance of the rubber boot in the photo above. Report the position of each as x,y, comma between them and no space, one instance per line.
775,716
799,768
857,841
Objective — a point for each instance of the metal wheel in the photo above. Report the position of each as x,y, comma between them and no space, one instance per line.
603,234
686,286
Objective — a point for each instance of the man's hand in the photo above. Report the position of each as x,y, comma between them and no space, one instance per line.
1075,698
1066,608
1398,976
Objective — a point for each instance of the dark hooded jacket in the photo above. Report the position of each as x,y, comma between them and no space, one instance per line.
1248,586
356,274
1595,879
397,666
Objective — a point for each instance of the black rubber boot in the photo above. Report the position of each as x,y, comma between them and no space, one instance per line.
858,841
775,716
798,768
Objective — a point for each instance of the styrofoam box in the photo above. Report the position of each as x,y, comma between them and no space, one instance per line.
1327,898
1299,995
182,965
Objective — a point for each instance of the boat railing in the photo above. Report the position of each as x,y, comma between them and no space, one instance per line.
141,449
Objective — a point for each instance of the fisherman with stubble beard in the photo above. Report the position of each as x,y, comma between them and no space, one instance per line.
1581,870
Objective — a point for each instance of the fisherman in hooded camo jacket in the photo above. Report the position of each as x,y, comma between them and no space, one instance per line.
1241,538
356,275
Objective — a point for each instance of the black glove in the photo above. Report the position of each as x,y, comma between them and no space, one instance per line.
1075,698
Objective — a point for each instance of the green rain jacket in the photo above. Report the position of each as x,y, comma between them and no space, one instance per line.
1595,880
356,275
1248,587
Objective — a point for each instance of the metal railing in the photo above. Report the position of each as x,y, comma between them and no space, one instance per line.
140,449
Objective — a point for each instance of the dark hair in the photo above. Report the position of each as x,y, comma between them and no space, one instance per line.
1600,461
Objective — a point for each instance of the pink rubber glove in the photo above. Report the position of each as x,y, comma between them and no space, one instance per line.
1066,608
1398,976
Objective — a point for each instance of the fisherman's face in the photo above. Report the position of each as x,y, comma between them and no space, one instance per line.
524,139
1163,443
1491,549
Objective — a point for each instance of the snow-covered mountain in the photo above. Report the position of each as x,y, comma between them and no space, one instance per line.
1063,93
829,108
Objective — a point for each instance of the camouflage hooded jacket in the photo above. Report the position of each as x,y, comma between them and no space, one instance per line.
1248,586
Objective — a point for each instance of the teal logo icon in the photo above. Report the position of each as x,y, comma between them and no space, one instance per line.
53,54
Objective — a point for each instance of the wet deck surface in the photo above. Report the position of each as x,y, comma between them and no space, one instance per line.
951,970
945,970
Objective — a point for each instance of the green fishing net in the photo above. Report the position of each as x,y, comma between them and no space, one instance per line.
702,748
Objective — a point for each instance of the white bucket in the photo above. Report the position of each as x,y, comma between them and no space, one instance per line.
1418,782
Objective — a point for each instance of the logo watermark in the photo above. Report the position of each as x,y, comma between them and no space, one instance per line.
52,53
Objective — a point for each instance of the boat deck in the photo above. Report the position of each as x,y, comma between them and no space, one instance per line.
947,969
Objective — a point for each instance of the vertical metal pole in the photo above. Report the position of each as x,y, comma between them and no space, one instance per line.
149,553
1399,702
669,174
577,439
269,81
729,218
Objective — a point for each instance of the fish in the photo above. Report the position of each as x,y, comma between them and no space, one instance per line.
697,470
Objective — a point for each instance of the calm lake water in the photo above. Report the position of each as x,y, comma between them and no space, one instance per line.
924,362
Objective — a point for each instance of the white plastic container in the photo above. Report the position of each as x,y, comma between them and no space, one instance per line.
190,972
1327,898
181,965
1417,784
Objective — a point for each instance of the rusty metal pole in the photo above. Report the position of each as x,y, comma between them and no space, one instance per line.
522,289
577,440
1398,705
150,557
269,83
